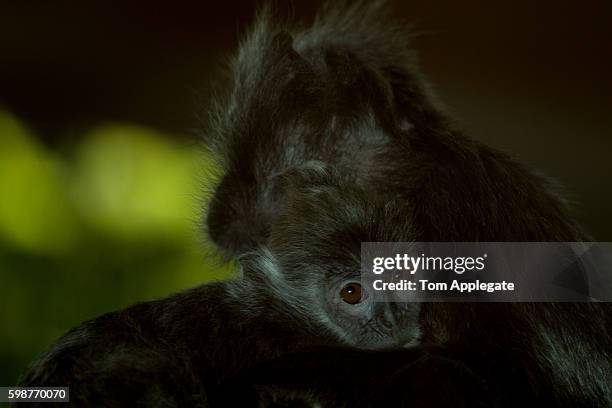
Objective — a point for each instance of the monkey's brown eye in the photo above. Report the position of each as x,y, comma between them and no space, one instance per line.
351,293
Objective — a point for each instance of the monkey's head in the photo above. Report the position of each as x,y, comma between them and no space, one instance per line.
344,91
311,264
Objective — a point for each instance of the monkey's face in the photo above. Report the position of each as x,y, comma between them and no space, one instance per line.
312,263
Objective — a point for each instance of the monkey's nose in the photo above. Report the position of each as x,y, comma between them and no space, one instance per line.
386,319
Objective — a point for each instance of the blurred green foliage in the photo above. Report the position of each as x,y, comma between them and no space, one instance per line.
83,231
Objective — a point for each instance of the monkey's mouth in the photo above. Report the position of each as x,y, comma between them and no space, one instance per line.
394,326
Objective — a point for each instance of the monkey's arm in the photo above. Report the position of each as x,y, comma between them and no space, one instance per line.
168,352
123,358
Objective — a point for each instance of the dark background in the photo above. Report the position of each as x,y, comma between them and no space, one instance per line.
529,77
